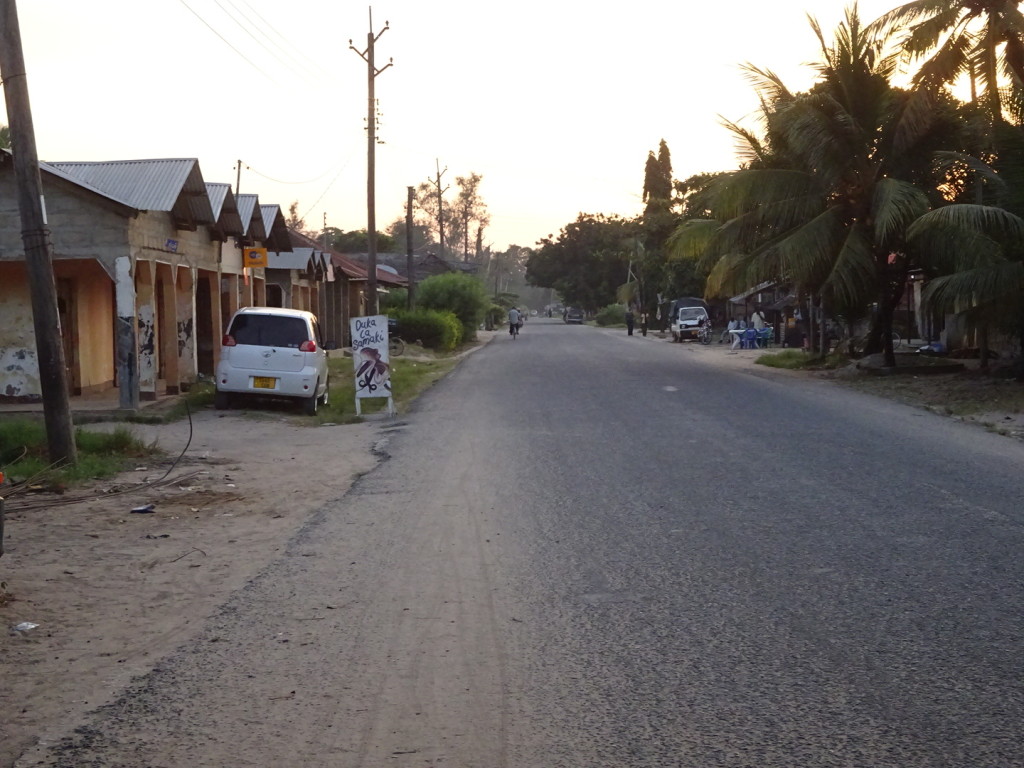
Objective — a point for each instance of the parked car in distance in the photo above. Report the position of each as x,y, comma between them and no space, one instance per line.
685,323
273,352
574,315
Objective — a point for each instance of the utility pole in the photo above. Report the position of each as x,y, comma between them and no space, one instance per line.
35,236
371,162
408,249
440,204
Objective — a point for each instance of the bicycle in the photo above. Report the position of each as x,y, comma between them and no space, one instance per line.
704,333
513,331
396,346
897,340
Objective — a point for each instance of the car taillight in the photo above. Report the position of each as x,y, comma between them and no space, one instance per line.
307,346
228,341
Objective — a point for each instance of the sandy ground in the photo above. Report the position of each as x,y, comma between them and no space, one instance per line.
111,592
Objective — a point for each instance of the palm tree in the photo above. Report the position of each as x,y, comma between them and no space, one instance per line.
983,39
828,193
978,253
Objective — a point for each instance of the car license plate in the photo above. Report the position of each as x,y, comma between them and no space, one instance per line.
264,382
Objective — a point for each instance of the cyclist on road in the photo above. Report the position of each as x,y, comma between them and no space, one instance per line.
514,321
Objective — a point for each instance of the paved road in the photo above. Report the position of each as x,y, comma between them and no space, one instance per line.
592,550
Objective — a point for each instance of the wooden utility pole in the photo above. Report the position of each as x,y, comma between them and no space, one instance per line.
408,250
35,236
371,163
440,205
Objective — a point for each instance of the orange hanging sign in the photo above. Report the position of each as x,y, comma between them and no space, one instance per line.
254,257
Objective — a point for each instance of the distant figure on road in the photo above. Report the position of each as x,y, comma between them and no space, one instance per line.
629,322
514,321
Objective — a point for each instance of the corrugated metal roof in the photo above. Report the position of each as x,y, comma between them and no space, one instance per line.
252,219
225,209
217,194
277,230
297,258
51,169
152,185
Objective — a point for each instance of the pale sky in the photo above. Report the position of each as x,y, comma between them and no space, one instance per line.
556,104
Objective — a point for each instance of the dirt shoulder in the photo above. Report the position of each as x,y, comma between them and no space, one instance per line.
112,591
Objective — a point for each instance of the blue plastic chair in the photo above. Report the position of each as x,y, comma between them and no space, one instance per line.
765,337
749,339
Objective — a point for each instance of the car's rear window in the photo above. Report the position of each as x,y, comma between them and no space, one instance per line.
269,331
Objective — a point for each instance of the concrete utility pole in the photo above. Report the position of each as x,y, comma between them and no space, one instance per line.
408,249
440,204
371,162
35,236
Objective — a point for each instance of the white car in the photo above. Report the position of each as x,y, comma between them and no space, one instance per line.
273,352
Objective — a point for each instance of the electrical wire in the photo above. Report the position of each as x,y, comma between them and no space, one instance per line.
229,45
162,480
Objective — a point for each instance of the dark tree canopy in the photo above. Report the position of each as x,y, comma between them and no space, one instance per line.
587,262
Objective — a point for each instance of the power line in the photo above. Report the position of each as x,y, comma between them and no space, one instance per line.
253,37
229,45
288,43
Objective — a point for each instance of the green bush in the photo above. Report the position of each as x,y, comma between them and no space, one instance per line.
433,329
613,314
455,292
497,316
394,300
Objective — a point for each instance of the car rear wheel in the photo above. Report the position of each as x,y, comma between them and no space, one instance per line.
311,403
221,400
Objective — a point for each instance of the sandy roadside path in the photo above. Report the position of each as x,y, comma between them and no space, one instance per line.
112,592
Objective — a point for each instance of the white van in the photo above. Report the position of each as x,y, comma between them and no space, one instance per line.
687,321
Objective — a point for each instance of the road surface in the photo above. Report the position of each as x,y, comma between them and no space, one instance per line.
586,550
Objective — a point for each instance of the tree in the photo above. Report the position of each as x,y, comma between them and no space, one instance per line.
470,209
977,253
357,241
5,137
433,212
421,240
294,222
982,39
587,262
829,191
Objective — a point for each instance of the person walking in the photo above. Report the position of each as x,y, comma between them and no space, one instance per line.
629,322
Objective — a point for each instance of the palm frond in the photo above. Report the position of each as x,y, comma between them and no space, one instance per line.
993,284
768,86
740,192
748,147
853,272
949,160
997,223
895,204
727,276
691,239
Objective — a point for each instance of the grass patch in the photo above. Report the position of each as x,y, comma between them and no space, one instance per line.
23,453
790,359
409,378
798,359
